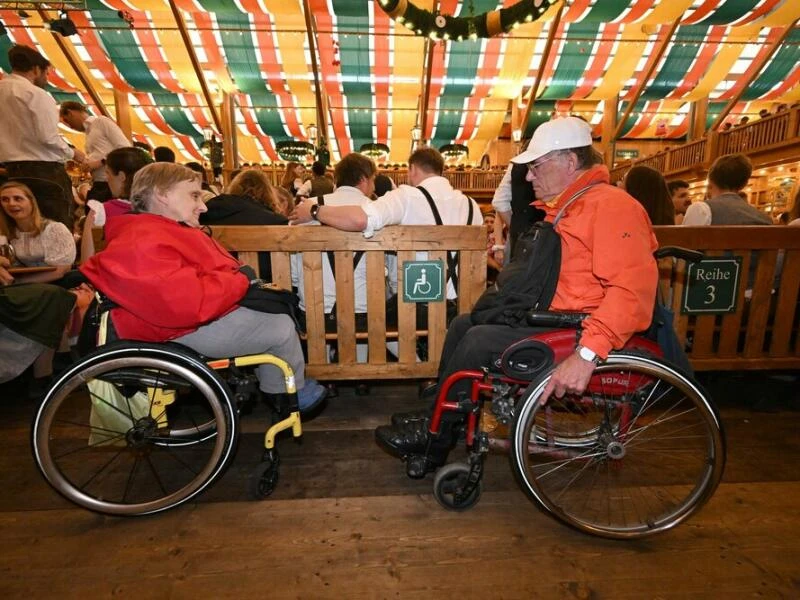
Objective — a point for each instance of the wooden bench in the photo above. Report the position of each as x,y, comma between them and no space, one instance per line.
313,242
762,333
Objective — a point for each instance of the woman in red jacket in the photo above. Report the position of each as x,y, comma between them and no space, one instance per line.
173,282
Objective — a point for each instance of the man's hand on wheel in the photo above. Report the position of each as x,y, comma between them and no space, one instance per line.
570,377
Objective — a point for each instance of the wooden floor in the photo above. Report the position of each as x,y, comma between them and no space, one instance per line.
345,522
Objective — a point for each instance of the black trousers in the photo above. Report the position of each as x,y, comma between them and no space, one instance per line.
50,185
469,346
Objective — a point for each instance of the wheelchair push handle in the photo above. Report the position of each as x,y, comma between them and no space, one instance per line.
555,320
678,252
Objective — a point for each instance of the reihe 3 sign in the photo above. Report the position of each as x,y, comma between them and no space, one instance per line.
711,286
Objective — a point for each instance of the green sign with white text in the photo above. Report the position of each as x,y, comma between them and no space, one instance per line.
711,286
423,281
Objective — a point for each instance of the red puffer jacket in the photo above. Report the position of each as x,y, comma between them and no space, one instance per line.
168,279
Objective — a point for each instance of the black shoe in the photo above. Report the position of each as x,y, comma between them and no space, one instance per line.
402,419
333,391
403,441
362,389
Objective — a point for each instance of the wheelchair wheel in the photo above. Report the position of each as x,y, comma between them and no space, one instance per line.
448,487
638,453
135,429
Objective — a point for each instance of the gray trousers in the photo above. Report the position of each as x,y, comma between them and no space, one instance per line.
246,331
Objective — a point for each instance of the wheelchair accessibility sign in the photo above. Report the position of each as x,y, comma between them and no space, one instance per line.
423,281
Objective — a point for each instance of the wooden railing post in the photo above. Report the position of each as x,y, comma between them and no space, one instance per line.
793,130
711,148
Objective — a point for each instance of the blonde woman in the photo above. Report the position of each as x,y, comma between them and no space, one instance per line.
37,242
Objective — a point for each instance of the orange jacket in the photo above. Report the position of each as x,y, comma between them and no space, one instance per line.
607,264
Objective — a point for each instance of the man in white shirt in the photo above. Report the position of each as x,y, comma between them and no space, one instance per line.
355,182
30,144
407,205
102,136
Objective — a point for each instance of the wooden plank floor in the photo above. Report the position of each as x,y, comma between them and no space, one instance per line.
345,522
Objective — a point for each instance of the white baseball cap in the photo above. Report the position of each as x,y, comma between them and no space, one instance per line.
560,133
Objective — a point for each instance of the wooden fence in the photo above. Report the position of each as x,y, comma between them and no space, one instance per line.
762,333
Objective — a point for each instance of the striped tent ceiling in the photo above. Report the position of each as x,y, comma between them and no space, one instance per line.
371,68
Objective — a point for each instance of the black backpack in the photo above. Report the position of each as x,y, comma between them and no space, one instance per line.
529,281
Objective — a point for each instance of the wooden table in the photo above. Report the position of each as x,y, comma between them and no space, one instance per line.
27,270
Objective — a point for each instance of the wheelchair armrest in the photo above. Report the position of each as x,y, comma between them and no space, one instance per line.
556,320
678,252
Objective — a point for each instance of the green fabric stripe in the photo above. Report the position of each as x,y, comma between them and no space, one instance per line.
784,62
170,108
731,11
574,58
607,10
714,108
459,79
355,69
632,120
122,48
459,83
242,61
540,113
268,116
678,61
5,44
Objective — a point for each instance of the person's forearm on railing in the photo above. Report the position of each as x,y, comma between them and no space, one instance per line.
346,218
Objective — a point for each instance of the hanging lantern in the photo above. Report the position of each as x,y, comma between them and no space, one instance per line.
375,151
294,151
454,151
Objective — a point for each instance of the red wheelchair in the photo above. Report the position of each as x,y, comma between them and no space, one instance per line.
640,451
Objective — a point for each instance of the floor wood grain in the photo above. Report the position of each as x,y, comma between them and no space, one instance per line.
345,522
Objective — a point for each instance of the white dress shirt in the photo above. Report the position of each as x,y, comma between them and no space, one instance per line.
342,196
29,123
407,206
698,214
501,201
102,136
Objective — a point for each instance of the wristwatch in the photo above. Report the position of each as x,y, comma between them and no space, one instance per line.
588,355
313,211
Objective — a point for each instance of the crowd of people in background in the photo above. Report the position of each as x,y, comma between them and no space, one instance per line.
43,215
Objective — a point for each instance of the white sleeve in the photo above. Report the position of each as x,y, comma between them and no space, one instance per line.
111,139
59,245
501,201
305,189
45,122
697,214
389,209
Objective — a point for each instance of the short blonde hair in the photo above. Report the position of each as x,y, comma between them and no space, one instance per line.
8,227
157,178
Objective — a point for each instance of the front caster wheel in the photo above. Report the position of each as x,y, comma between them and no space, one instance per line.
449,487
265,476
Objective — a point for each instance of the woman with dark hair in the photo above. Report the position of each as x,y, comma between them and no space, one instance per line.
649,187
121,165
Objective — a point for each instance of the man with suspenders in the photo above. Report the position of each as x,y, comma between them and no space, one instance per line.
429,199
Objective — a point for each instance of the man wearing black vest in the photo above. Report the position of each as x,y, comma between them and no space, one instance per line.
513,202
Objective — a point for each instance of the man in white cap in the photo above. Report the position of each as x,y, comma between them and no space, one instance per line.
607,270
